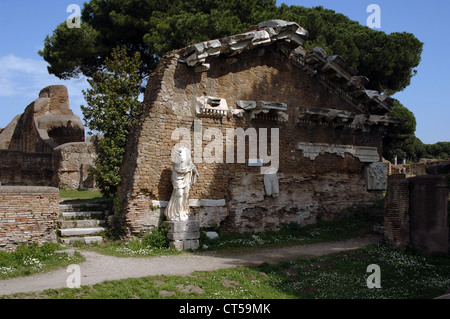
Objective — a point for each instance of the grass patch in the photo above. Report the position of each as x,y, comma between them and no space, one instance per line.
76,194
291,234
404,275
156,244
152,244
342,275
134,248
31,259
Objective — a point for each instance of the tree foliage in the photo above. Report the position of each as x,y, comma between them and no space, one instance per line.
440,150
112,105
153,28
389,61
401,140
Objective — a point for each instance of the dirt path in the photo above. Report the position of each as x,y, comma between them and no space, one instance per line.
98,268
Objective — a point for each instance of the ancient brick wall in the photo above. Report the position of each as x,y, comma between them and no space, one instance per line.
416,213
29,142
67,167
71,163
21,168
397,216
308,188
27,215
428,200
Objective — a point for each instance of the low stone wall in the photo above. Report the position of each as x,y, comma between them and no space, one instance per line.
416,213
28,215
71,164
396,218
424,167
67,167
428,225
21,168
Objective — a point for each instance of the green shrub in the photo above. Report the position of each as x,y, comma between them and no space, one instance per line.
157,238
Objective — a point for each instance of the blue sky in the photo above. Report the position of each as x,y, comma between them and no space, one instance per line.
23,73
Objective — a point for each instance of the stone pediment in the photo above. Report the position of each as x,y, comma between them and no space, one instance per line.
331,71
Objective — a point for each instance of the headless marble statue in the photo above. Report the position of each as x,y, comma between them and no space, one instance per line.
184,175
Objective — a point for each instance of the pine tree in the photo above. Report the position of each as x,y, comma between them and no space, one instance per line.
153,28
401,140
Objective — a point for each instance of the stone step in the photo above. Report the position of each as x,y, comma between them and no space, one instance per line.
80,231
86,240
79,206
84,223
82,215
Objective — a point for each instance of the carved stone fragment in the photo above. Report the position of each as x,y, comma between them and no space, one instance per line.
274,111
363,153
212,107
376,176
184,175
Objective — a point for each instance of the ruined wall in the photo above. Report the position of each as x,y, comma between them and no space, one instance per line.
71,163
28,215
424,167
45,146
67,167
308,188
428,200
46,123
21,168
7,133
416,213
397,216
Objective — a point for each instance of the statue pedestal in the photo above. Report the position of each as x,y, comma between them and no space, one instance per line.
184,235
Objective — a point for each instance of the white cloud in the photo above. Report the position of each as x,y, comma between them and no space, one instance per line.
11,63
23,78
24,75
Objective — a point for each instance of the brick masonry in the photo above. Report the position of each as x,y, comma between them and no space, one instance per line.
308,188
21,168
416,213
396,218
66,167
28,215
428,200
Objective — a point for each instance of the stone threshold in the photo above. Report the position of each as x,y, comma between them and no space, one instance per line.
194,203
